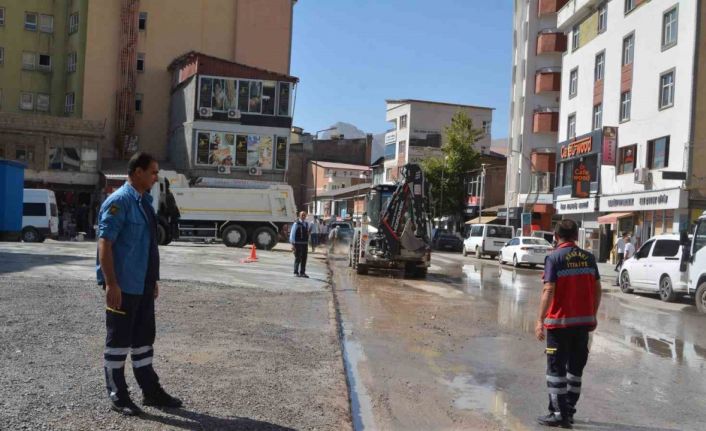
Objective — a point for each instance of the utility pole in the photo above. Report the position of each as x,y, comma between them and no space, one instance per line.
482,191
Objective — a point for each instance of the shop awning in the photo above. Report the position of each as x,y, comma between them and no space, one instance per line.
612,217
483,220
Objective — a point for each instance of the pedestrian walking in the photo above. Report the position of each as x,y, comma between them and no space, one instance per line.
332,239
620,251
629,249
570,301
299,238
314,234
128,270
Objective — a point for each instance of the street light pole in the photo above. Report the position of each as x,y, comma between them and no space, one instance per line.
441,201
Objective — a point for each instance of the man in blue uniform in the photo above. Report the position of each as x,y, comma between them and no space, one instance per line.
128,270
299,238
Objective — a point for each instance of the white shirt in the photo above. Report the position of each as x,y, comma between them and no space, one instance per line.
629,250
621,246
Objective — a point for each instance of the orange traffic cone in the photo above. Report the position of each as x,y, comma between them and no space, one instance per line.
253,255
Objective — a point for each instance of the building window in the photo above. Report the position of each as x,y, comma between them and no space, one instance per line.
71,61
598,116
268,97
73,23
625,102
666,90
626,159
30,21
64,158
43,102
140,61
670,27
602,17
142,21
28,60
388,174
575,36
599,70
138,102
2,16
486,127
69,103
629,6
281,152
571,127
403,122
573,82
46,23
390,151
2,55
658,153
27,101
283,105
44,62
628,49
24,153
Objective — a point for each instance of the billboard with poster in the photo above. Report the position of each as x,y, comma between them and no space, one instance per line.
240,150
610,145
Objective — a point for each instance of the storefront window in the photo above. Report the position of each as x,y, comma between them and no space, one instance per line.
281,160
268,97
218,98
205,93
283,107
241,150
567,171
243,95
255,101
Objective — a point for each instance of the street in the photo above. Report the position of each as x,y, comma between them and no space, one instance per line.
249,347
457,351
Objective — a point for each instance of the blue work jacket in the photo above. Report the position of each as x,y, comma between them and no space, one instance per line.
122,221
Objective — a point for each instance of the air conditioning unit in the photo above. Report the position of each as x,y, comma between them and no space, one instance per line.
233,114
205,112
255,171
642,175
224,170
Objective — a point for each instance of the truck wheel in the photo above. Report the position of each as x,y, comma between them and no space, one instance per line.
162,235
264,238
421,272
478,255
700,297
465,253
30,234
666,291
234,236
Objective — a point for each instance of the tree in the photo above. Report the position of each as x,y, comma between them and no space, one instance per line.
446,173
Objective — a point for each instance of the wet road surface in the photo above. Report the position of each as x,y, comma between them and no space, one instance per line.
457,351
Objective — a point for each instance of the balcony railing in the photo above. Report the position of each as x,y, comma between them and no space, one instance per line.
573,12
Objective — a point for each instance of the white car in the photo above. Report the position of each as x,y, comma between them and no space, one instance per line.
486,239
655,268
39,215
525,250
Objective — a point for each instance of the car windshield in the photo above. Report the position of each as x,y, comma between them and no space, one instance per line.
535,241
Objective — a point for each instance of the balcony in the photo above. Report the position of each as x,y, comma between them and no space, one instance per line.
546,121
546,7
546,81
544,162
551,42
573,12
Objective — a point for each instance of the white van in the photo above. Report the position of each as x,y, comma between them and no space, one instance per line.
486,239
39,215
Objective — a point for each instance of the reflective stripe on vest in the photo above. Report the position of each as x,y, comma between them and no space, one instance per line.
565,321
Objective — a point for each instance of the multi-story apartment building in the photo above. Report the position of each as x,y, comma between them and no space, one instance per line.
534,110
418,130
632,92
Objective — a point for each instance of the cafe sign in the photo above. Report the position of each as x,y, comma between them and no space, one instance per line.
577,148
581,181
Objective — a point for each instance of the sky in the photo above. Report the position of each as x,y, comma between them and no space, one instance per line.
352,55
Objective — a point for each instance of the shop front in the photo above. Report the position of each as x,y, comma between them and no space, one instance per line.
645,214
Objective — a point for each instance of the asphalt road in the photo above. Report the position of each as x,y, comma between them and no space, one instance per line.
457,351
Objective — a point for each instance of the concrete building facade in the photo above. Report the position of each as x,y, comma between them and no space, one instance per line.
328,180
418,130
534,110
631,92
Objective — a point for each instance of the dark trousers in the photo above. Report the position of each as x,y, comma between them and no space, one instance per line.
621,257
131,329
567,353
300,255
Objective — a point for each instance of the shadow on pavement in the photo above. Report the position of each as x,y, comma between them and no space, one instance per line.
607,426
199,421
19,262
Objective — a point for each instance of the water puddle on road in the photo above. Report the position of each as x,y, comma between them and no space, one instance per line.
361,404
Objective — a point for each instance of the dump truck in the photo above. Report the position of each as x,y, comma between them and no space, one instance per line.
395,232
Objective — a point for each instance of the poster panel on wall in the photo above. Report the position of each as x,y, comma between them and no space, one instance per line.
241,150
202,148
205,93
220,150
265,151
218,100
610,145
281,161
231,101
253,150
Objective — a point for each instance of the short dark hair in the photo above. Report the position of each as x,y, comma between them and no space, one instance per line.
567,230
139,160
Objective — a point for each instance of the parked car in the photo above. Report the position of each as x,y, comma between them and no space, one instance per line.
486,239
548,236
445,240
528,250
655,268
40,217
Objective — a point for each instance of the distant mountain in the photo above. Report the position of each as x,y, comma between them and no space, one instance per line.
378,146
349,131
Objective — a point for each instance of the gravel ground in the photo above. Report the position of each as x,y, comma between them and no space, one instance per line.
241,359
